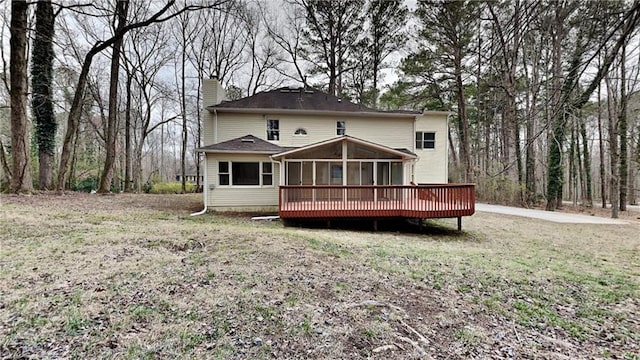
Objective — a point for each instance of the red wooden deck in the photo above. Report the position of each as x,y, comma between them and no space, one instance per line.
422,201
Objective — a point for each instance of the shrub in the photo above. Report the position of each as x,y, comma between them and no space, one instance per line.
87,184
170,188
498,190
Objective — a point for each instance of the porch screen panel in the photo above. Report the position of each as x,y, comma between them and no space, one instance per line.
383,173
353,173
396,173
336,173
367,173
322,178
322,173
353,178
307,173
293,173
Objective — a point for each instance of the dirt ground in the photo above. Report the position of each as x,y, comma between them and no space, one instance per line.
134,276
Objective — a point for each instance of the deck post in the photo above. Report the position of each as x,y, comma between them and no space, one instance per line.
459,223
375,225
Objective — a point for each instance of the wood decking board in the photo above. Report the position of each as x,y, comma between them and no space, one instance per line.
429,201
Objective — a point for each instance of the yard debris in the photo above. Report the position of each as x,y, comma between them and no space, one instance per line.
382,348
267,218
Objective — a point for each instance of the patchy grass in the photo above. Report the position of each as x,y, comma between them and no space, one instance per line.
133,276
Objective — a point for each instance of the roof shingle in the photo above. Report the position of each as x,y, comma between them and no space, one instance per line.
244,144
294,99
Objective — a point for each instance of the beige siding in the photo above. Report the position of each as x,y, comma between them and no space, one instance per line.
240,197
395,133
232,126
432,165
207,128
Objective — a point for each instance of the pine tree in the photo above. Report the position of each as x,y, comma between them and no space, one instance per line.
334,27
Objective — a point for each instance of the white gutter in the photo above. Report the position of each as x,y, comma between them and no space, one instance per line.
264,111
205,189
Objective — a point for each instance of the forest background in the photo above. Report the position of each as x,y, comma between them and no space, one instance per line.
105,95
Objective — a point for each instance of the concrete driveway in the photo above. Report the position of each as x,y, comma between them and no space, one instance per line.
547,215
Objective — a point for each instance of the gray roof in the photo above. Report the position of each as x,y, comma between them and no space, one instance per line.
244,144
294,99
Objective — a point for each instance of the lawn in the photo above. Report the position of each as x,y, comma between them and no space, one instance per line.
134,276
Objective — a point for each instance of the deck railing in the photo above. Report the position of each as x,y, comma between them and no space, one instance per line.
421,201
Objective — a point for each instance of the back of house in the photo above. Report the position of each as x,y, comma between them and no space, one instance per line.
305,137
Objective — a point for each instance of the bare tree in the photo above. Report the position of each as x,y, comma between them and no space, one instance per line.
161,15
120,18
147,52
263,54
21,172
287,34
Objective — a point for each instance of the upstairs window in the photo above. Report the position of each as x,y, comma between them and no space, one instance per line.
300,132
341,128
425,140
273,129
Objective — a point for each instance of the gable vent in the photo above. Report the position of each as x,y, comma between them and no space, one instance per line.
247,140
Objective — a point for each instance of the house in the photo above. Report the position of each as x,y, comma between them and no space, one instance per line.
310,154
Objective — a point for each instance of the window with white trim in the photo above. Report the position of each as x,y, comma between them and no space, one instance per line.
239,173
425,140
223,173
267,173
341,127
273,129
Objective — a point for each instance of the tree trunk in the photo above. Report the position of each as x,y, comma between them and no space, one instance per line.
112,123
183,111
463,123
614,183
572,193
603,187
41,102
622,132
21,181
554,164
588,201
127,138
530,153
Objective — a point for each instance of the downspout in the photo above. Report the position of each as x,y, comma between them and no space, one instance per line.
413,162
205,188
411,167
215,126
446,150
280,176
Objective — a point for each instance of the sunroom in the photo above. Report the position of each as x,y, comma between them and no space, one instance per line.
345,160
351,177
